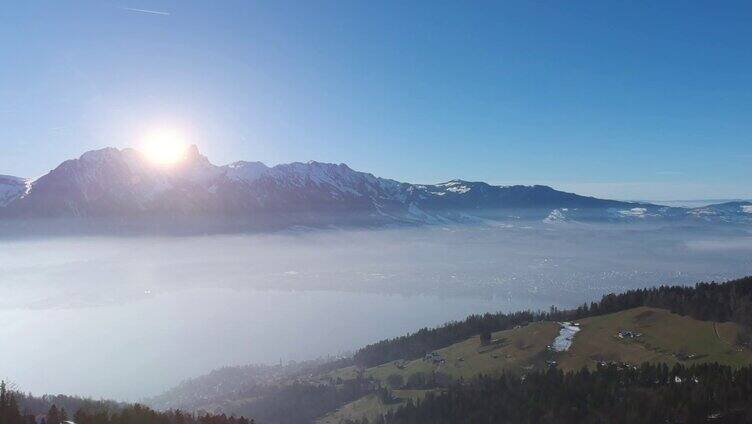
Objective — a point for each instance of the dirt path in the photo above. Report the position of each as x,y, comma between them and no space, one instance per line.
717,334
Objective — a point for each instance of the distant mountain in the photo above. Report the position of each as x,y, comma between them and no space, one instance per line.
124,185
11,188
732,212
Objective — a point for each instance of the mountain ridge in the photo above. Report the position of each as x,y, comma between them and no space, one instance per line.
113,183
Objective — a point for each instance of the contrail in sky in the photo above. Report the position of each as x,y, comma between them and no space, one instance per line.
151,12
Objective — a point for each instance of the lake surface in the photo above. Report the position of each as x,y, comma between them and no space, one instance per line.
128,318
142,347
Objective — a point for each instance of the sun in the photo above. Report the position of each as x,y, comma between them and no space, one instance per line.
164,146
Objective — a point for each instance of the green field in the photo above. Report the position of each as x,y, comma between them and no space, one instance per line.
371,406
512,349
664,337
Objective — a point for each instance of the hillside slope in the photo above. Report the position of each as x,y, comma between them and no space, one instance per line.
681,325
662,337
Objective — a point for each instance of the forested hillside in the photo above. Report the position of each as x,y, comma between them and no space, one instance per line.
16,408
611,394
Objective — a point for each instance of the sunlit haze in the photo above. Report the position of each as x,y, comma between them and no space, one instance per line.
164,146
612,100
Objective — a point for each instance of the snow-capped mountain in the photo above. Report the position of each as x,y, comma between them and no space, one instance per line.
112,182
123,184
11,188
731,212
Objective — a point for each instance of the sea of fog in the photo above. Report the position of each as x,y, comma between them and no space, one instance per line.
127,318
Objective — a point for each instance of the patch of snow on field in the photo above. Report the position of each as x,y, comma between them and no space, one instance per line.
566,336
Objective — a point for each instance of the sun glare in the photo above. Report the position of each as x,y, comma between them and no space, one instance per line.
164,146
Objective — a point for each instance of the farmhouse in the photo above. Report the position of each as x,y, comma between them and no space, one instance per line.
627,334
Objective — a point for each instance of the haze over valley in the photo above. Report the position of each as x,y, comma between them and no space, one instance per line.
138,306
395,212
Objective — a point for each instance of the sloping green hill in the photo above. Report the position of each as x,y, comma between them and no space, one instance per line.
661,336
371,406
511,349
664,337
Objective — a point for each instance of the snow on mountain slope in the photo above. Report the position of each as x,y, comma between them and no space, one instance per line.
11,188
556,216
455,186
246,172
110,182
731,212
115,183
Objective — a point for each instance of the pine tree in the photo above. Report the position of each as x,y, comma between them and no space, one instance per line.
53,415
81,417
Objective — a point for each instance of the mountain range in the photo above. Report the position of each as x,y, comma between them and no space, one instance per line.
123,185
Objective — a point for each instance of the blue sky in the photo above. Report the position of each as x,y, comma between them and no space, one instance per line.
633,100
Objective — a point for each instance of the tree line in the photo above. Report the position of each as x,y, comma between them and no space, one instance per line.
96,412
297,402
650,393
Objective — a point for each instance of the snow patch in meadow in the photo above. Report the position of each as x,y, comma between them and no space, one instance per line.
564,340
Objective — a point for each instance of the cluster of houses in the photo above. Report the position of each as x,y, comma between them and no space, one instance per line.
683,356
434,358
694,379
627,334
619,365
